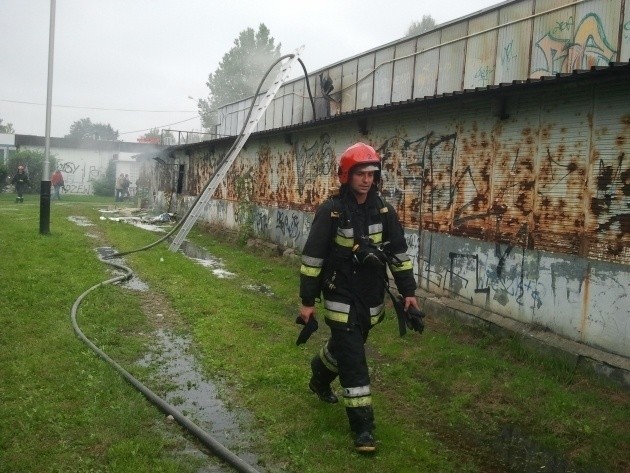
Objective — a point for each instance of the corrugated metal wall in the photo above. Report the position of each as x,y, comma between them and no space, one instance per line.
607,193
516,202
514,41
510,50
552,175
561,171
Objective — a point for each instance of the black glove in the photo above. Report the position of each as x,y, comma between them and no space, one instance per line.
410,318
399,307
413,319
309,329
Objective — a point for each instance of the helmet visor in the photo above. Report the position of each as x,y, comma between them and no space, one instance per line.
367,167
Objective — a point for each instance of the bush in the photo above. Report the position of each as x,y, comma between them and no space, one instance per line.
106,184
33,161
4,174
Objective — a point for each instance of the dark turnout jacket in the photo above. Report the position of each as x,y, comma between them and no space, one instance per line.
330,268
20,179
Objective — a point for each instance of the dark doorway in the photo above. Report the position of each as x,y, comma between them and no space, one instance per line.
180,179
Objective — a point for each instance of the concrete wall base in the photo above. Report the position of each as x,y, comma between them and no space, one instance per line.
613,367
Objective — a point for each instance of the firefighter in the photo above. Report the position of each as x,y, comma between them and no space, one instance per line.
354,236
20,181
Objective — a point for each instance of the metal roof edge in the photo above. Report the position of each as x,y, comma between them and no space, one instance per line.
545,81
70,143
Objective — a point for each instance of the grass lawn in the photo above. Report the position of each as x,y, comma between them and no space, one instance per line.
454,399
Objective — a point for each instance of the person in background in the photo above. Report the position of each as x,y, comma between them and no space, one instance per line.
57,182
126,184
354,237
120,187
20,181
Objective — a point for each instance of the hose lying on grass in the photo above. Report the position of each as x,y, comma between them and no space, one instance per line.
214,446
206,439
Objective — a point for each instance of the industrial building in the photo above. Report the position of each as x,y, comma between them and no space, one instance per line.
505,140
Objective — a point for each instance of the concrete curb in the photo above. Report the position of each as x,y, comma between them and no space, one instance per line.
613,367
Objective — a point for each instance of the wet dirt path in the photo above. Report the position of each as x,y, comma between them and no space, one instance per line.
178,375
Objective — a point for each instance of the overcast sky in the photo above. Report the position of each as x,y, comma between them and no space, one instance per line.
149,56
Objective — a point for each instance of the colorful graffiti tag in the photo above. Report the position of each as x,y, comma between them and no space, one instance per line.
587,47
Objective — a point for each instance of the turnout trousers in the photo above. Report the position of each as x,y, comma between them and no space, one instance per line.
343,355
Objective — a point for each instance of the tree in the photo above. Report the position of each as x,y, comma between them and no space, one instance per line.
419,27
33,161
239,72
4,174
8,128
105,184
84,129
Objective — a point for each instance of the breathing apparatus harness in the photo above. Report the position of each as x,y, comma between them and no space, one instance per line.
367,253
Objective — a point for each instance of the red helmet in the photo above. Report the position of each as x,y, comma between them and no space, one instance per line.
357,154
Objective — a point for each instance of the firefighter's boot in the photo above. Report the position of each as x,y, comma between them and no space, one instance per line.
320,381
362,424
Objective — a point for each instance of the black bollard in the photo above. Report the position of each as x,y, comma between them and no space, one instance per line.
44,209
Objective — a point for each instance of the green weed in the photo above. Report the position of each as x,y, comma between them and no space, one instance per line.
444,400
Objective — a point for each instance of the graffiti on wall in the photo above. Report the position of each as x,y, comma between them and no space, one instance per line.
260,221
588,46
221,208
613,188
421,180
433,188
484,74
78,176
315,163
411,165
470,275
508,56
243,214
289,224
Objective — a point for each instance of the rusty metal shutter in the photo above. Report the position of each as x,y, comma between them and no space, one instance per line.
515,139
564,141
608,196
471,176
438,147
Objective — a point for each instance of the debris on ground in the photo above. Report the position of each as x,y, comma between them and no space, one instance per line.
139,217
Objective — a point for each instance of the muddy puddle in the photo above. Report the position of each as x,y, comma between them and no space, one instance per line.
80,221
196,397
204,258
520,454
200,256
189,391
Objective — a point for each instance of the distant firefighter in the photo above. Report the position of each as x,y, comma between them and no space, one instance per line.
20,181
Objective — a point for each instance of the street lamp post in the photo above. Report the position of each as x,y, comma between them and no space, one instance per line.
44,201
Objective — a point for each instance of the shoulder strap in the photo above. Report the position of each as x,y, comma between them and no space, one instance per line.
382,211
335,212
